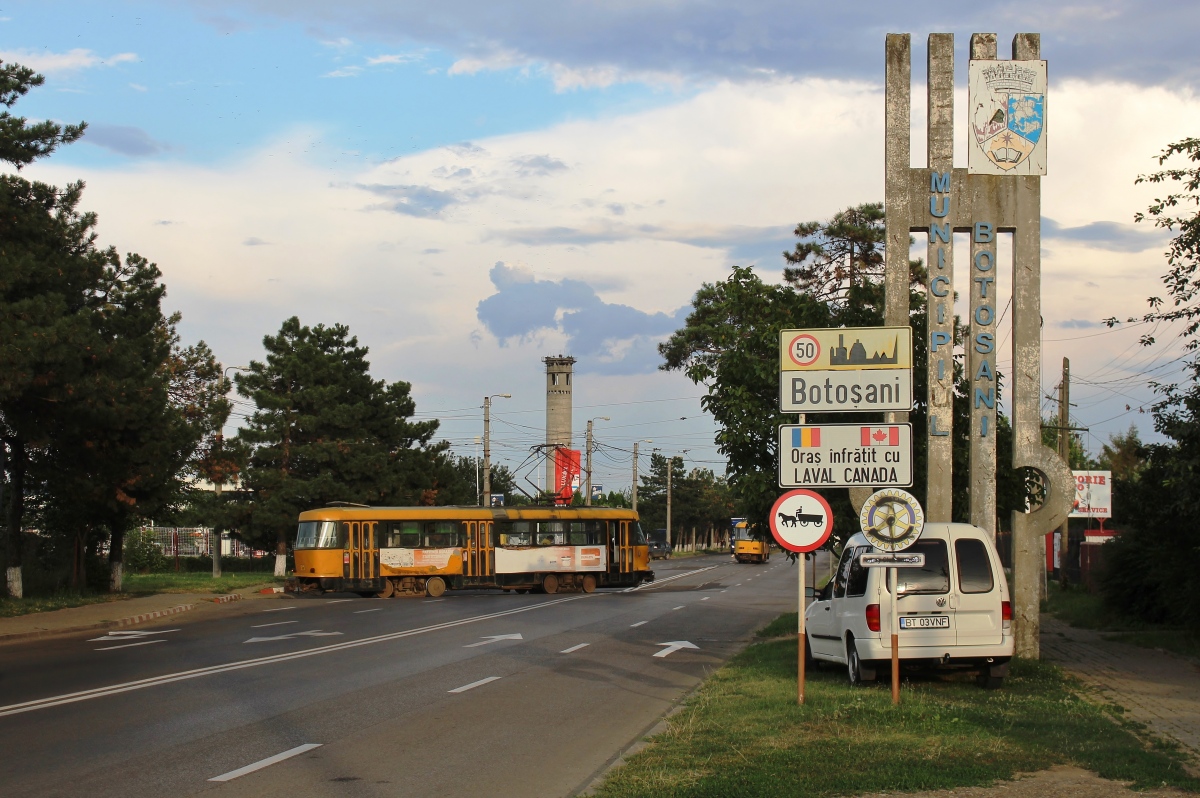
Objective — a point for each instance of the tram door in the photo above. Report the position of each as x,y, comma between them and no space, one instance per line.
478,553
361,560
625,549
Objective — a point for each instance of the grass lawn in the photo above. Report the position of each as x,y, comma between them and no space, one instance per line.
742,734
140,585
1087,611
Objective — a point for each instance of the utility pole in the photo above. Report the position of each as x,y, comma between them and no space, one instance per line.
670,465
587,499
487,446
216,533
1064,451
633,492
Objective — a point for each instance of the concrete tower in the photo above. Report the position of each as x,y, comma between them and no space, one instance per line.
558,409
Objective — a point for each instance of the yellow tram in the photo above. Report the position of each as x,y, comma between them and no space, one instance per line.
387,551
746,548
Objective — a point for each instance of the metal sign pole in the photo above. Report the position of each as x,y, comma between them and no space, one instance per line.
895,637
800,641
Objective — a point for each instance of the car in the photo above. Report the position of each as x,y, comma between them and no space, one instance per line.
955,612
659,549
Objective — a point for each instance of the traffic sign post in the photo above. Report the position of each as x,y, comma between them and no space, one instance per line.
892,520
801,522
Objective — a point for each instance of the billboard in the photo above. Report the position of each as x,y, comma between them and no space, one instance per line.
566,474
1093,494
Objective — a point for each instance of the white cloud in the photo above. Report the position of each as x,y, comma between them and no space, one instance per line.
344,72
394,58
70,61
403,251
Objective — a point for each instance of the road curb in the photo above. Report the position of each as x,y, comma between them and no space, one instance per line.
225,599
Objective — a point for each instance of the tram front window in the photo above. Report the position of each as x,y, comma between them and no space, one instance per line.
319,535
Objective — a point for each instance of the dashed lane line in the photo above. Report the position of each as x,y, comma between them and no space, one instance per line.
573,648
639,623
677,608
279,609
99,692
473,685
376,609
657,582
276,623
262,763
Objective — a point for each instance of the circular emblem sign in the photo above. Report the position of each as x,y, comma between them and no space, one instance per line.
801,521
892,519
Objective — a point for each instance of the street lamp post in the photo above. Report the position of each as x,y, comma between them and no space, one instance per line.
487,445
633,492
587,498
670,468
216,533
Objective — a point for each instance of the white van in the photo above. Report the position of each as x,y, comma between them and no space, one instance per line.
954,612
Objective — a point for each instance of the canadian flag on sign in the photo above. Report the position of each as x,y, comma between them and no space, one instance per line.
880,436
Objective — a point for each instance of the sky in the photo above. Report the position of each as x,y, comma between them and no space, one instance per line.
473,186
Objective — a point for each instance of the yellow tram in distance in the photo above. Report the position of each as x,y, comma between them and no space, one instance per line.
744,547
393,551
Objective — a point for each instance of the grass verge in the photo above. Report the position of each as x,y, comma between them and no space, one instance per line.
742,734
139,585
1084,610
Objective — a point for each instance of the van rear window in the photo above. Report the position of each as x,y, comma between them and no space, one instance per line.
974,566
933,578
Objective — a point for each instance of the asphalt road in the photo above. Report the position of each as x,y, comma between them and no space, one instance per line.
472,694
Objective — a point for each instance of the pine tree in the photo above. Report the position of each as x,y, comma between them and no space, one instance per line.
323,430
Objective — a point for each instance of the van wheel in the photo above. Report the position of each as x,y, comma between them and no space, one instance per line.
811,663
435,586
858,673
550,583
589,583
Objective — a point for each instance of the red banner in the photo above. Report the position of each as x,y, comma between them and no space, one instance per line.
566,474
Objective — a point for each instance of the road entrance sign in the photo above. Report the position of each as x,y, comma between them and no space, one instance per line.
801,521
845,455
845,369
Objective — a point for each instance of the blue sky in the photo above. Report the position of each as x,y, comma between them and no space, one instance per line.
472,186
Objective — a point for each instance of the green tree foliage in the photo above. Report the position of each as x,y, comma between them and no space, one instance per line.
730,345
700,500
323,431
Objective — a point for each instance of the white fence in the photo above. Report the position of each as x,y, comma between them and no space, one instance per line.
196,541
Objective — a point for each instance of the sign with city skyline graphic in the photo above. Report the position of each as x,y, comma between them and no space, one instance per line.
854,369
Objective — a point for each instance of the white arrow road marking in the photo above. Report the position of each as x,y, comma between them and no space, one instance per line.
262,763
277,623
292,635
141,684
494,638
639,623
473,685
673,646
130,645
573,648
657,582
130,635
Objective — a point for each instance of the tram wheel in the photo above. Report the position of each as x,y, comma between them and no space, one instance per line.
389,589
589,583
435,586
550,583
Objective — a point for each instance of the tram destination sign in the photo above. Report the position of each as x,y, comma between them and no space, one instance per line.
845,455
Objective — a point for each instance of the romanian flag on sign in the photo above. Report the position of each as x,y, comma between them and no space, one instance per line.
806,437
880,436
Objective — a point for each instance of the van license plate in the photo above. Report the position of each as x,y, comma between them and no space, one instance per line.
925,622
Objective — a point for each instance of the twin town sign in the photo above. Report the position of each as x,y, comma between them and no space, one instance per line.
845,455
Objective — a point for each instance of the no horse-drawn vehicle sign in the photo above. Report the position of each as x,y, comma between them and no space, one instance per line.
801,520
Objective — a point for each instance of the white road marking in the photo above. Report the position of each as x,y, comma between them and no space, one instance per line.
99,692
473,685
432,601
131,645
677,608
130,635
673,646
726,590
656,583
494,639
739,584
639,623
706,598
279,609
262,763
360,612
293,635
338,601
277,623
573,648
